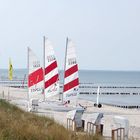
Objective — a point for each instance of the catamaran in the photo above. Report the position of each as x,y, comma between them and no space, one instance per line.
71,78
35,78
51,74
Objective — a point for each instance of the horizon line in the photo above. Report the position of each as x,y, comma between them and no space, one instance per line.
85,70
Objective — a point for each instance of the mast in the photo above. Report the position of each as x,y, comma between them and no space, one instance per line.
98,92
28,73
28,98
44,66
64,67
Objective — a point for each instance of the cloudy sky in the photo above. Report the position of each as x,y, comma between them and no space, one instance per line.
106,32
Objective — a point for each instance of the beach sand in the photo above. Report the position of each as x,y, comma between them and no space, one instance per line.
19,97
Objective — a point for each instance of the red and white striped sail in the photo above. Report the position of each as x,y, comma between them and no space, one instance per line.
35,76
51,71
71,79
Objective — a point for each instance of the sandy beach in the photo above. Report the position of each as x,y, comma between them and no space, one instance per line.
19,98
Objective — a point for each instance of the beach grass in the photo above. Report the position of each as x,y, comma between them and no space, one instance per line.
16,124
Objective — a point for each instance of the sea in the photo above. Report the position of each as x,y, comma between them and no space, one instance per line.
118,88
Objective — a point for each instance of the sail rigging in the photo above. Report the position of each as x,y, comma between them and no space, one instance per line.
35,76
51,73
71,78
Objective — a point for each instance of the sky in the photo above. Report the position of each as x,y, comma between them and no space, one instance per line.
106,32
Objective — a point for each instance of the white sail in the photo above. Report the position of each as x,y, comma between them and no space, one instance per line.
35,77
71,78
51,70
